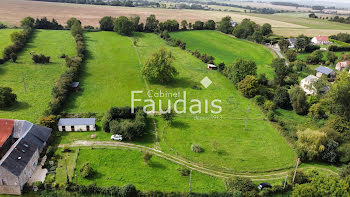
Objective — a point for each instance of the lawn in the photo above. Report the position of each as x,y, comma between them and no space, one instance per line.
34,94
117,167
226,48
5,39
237,149
110,73
113,70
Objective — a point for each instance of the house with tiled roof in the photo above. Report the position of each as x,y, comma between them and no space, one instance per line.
21,142
320,40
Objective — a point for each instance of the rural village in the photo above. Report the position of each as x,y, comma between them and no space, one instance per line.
174,98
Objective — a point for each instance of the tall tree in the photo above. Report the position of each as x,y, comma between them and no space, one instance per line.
281,71
238,70
339,95
123,26
225,25
266,29
159,67
184,25
283,44
27,22
107,23
298,100
71,21
310,144
151,23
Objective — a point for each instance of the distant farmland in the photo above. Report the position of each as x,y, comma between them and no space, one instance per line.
11,11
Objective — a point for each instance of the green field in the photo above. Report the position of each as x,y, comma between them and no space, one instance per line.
226,48
5,39
105,84
120,166
34,94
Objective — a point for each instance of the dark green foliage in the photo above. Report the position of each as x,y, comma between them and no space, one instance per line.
122,121
257,37
245,29
339,123
281,98
317,111
13,57
184,25
281,71
330,153
43,23
238,70
298,100
291,55
159,67
71,21
271,115
86,171
184,171
344,153
41,59
151,24
283,44
168,116
266,29
7,98
198,25
128,191
123,26
249,86
221,66
225,25
147,156
315,57
169,25
241,184
300,177
259,100
332,57
302,42
345,171
344,37
339,96
76,29
210,24
107,23
27,22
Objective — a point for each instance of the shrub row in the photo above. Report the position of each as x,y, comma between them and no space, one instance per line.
63,86
335,48
19,40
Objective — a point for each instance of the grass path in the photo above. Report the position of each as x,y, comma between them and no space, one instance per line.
186,163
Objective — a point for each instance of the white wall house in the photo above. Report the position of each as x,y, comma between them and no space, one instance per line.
320,40
342,65
306,84
76,124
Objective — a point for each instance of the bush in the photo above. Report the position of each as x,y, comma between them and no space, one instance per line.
41,59
7,98
86,171
249,86
259,100
241,184
271,115
197,148
184,171
269,105
317,111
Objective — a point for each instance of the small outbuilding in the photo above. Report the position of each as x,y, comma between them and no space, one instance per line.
342,65
322,70
75,86
212,67
292,42
76,124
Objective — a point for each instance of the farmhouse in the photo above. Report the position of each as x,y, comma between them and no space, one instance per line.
212,67
342,65
306,84
292,42
23,142
76,124
322,70
319,40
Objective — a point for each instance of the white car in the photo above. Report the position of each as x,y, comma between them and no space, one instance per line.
117,137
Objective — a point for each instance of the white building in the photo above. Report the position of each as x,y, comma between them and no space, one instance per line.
342,65
306,84
320,40
76,124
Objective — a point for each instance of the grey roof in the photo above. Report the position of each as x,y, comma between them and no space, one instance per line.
19,157
22,151
76,121
21,127
292,40
75,84
324,70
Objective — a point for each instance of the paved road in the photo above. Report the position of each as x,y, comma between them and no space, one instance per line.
277,52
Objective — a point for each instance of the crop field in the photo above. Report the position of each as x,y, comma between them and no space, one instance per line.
34,94
5,39
120,166
227,49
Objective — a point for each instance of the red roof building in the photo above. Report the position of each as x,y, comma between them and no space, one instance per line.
320,40
6,127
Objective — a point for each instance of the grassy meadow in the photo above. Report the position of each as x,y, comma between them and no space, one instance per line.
34,94
226,48
5,38
121,166
105,84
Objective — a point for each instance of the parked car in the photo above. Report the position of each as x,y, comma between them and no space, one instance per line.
117,137
261,186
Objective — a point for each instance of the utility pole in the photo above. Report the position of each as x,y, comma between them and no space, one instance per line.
296,168
285,182
246,119
190,181
24,84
